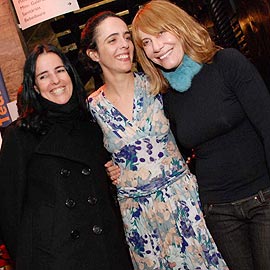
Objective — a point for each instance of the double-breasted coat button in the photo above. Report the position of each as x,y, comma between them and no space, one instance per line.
97,230
86,171
70,203
65,172
75,234
92,200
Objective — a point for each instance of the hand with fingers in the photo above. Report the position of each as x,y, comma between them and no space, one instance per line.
113,171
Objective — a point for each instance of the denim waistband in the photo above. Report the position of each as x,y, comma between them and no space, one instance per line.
260,196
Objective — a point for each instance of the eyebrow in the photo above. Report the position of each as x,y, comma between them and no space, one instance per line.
41,73
117,34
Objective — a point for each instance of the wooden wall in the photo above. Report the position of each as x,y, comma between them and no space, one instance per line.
12,54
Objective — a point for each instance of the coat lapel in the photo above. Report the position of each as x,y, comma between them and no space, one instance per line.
72,144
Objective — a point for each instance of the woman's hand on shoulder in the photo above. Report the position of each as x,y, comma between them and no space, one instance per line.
113,171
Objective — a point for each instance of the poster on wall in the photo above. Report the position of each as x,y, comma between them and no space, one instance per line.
31,12
5,118
13,110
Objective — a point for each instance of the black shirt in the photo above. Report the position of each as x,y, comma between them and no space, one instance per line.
225,117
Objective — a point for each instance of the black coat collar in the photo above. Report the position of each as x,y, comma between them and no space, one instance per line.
73,144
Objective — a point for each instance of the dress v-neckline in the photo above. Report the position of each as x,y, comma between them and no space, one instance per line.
111,104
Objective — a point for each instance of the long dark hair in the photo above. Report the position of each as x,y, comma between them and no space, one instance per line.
31,111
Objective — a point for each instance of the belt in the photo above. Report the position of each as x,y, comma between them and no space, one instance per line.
261,196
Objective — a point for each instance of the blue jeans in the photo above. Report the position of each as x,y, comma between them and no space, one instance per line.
241,230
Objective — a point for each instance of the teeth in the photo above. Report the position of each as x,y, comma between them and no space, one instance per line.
163,56
58,91
123,56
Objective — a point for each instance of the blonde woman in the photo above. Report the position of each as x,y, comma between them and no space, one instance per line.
219,106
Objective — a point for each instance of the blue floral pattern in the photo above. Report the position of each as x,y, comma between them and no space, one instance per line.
158,196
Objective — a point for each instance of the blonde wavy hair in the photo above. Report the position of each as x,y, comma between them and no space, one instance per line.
162,15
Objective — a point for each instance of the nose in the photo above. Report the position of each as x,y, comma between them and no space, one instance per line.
54,78
124,43
157,44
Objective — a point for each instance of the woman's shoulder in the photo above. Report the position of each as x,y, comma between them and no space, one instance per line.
229,56
15,135
17,129
96,95
141,76
142,82
13,129
231,60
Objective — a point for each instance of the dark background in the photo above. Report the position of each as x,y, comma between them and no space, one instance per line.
244,25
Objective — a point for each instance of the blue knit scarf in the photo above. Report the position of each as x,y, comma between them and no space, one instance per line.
181,78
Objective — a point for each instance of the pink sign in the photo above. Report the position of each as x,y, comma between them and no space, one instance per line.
31,12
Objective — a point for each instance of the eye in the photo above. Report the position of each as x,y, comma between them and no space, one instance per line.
60,70
161,33
42,76
128,37
146,42
112,40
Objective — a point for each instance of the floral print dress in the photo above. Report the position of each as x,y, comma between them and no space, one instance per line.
158,196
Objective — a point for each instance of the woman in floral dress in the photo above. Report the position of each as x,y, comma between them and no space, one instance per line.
157,194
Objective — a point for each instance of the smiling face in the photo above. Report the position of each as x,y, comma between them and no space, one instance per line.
165,49
51,78
115,48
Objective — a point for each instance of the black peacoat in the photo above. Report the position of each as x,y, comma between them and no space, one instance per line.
56,206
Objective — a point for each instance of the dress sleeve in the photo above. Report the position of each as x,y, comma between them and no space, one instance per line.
13,165
246,83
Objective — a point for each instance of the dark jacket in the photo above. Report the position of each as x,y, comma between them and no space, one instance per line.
56,206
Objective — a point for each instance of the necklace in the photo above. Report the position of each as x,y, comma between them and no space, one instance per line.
181,78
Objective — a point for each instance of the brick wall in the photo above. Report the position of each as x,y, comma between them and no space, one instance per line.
12,54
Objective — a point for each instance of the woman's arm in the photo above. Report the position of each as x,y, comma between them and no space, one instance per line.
246,83
13,165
